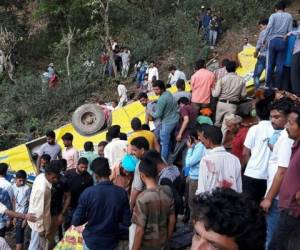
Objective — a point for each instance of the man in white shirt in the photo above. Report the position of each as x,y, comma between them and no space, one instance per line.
122,92
70,154
175,75
257,153
152,72
218,168
278,163
116,148
39,205
125,62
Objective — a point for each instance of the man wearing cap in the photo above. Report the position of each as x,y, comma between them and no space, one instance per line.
239,133
105,209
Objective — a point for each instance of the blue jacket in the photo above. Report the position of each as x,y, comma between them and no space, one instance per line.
193,158
105,208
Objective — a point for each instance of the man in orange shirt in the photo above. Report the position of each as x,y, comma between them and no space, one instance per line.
202,83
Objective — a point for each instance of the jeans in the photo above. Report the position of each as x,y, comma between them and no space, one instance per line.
283,236
165,138
213,34
259,68
68,218
140,77
272,221
276,57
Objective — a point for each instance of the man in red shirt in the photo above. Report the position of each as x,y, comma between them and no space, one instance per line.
202,83
187,117
289,194
239,132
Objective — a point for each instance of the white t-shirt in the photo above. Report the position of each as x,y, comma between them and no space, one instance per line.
177,75
280,156
122,92
21,196
152,72
257,141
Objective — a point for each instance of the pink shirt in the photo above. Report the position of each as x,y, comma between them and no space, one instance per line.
71,156
202,83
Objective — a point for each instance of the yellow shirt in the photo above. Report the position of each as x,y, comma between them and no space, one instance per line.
148,135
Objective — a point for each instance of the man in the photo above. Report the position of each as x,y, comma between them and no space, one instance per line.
202,83
33,134
50,148
228,220
295,67
150,110
152,72
200,18
166,110
21,196
168,175
136,125
260,53
196,151
101,147
105,208
39,205
175,75
6,198
180,85
230,90
89,154
205,24
278,163
125,55
239,132
60,201
188,116
154,214
122,92
115,150
218,168
70,154
256,154
77,180
139,146
10,213
289,218
280,23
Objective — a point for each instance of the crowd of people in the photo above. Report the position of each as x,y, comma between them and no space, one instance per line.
231,175
211,25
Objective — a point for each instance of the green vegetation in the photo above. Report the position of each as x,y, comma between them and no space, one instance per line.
156,29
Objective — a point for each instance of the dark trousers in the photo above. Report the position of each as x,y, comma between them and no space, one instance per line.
295,74
276,56
286,79
287,233
255,189
68,218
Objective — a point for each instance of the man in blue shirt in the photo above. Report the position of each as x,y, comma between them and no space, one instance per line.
105,208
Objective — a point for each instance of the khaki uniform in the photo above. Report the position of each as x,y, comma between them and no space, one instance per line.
230,90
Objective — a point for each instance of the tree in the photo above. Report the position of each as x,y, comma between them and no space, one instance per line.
8,42
102,7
